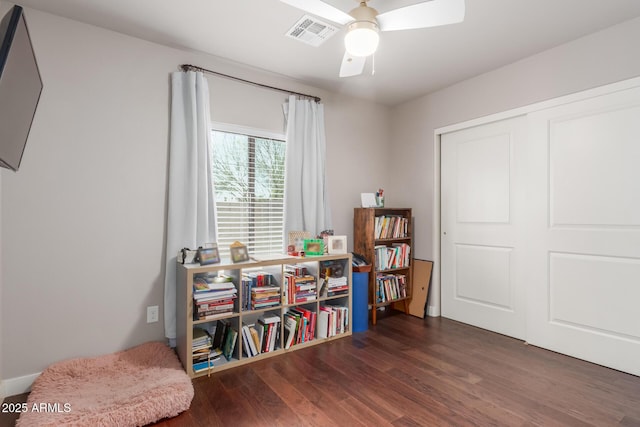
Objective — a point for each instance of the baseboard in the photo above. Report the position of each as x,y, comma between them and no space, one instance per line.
19,385
433,311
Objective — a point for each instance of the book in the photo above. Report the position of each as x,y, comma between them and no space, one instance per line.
323,322
255,337
275,336
306,287
230,343
245,342
200,335
261,328
207,355
218,335
250,347
215,295
214,277
269,318
289,331
202,285
268,336
204,365
215,309
215,316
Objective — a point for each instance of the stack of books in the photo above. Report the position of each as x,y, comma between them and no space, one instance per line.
391,227
213,296
337,286
390,287
269,332
203,353
250,340
265,297
299,326
390,257
332,320
259,290
224,339
333,280
261,337
300,286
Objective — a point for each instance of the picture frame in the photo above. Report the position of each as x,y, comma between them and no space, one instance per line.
239,252
209,255
313,247
368,200
297,238
187,256
337,244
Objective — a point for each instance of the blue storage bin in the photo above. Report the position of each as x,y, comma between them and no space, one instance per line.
360,301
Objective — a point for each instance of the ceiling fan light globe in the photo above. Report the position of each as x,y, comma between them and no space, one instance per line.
361,41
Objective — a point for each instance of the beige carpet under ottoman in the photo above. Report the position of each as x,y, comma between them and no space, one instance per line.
134,387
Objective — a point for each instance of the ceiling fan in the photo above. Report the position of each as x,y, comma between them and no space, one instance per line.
364,24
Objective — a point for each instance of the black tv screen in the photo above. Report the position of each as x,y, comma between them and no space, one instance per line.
20,87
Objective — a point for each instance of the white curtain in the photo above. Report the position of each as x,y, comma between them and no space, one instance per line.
191,213
305,197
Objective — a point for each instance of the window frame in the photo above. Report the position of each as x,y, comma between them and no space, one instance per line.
251,133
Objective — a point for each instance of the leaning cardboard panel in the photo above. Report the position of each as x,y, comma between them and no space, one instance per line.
420,287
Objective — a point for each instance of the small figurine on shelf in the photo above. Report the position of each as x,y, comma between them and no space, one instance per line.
380,198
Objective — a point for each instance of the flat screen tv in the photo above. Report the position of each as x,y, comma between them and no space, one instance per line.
20,87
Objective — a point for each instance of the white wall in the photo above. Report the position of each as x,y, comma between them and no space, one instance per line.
605,57
83,220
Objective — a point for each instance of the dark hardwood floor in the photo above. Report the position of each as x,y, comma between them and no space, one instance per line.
407,371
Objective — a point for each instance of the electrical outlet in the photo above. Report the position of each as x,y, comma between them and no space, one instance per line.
152,314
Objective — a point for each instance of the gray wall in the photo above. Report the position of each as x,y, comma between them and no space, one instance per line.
604,57
83,220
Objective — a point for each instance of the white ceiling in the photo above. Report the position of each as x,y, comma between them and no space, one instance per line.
408,63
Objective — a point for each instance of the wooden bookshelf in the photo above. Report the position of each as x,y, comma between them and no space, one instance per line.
370,237
339,265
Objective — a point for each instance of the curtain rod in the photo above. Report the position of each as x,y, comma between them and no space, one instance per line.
187,67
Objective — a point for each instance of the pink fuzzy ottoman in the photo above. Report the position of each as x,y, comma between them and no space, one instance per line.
134,387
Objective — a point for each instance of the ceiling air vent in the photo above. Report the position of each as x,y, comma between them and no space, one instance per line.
311,30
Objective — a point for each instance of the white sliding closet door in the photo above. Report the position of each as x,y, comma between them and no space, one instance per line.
540,227
584,237
482,226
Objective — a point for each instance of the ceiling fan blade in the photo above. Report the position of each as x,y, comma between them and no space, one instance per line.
321,9
352,65
428,14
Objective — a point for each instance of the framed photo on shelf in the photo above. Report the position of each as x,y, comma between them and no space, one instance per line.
209,255
337,244
239,252
368,200
187,256
296,238
313,247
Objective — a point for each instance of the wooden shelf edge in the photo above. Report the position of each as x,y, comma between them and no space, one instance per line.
234,363
393,239
391,270
383,304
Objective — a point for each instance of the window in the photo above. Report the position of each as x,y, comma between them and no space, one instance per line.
248,173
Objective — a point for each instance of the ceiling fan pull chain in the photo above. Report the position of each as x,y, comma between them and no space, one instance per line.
373,64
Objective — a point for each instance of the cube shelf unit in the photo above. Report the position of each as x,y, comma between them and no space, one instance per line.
316,266
368,239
